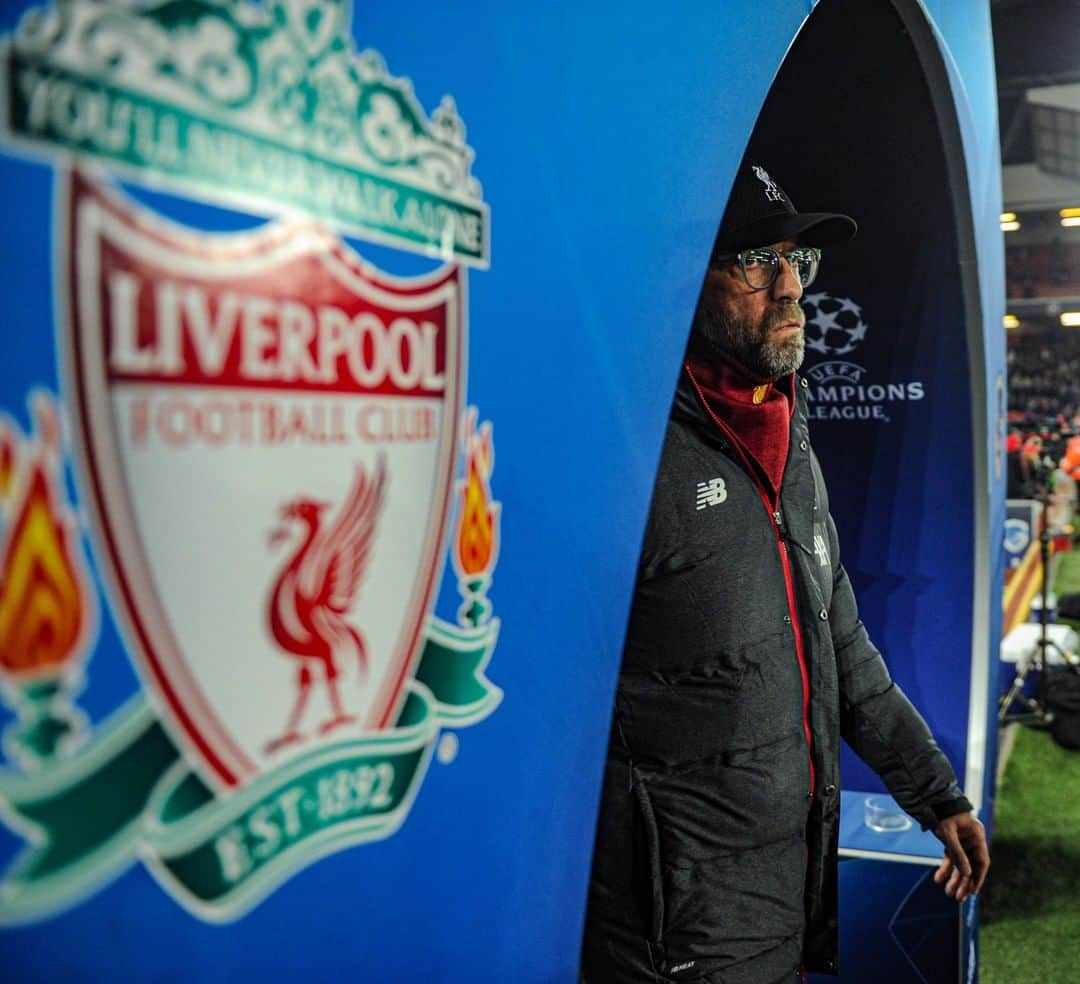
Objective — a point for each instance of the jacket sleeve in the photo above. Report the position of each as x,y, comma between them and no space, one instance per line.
879,722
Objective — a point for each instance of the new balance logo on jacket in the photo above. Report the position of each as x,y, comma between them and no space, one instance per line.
711,493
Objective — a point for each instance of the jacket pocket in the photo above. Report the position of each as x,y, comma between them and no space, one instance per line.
731,910
647,853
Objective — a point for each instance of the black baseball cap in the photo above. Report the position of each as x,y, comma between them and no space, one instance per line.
759,212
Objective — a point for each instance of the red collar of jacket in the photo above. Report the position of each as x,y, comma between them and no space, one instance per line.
757,414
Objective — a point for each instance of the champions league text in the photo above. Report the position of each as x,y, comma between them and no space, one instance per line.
850,401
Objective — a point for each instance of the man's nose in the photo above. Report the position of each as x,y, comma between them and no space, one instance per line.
787,285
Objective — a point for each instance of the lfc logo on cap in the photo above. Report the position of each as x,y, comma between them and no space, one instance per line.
772,192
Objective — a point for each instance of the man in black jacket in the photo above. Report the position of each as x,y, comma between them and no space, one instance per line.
745,660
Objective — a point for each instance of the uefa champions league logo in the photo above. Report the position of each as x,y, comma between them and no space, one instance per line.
834,325
840,389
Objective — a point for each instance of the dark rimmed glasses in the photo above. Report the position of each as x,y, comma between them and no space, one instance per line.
760,266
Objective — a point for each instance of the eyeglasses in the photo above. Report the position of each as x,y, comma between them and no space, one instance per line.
761,266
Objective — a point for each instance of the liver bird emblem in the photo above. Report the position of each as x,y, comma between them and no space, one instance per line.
316,589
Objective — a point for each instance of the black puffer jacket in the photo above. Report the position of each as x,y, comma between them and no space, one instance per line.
717,842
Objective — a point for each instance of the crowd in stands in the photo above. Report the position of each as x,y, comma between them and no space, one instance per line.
1043,270
1044,377
1044,410
1043,443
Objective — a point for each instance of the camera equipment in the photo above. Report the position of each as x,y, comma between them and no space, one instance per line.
1037,710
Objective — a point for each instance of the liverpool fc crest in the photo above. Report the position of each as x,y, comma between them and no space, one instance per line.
274,452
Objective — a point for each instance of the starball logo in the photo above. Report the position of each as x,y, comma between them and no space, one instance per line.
274,451
840,389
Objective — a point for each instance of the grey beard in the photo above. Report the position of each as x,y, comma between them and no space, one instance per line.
748,343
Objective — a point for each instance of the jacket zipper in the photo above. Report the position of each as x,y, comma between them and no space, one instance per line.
776,518
800,653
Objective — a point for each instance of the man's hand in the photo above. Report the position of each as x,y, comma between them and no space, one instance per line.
967,860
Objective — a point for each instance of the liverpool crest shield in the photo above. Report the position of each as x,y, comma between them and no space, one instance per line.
269,430
271,444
